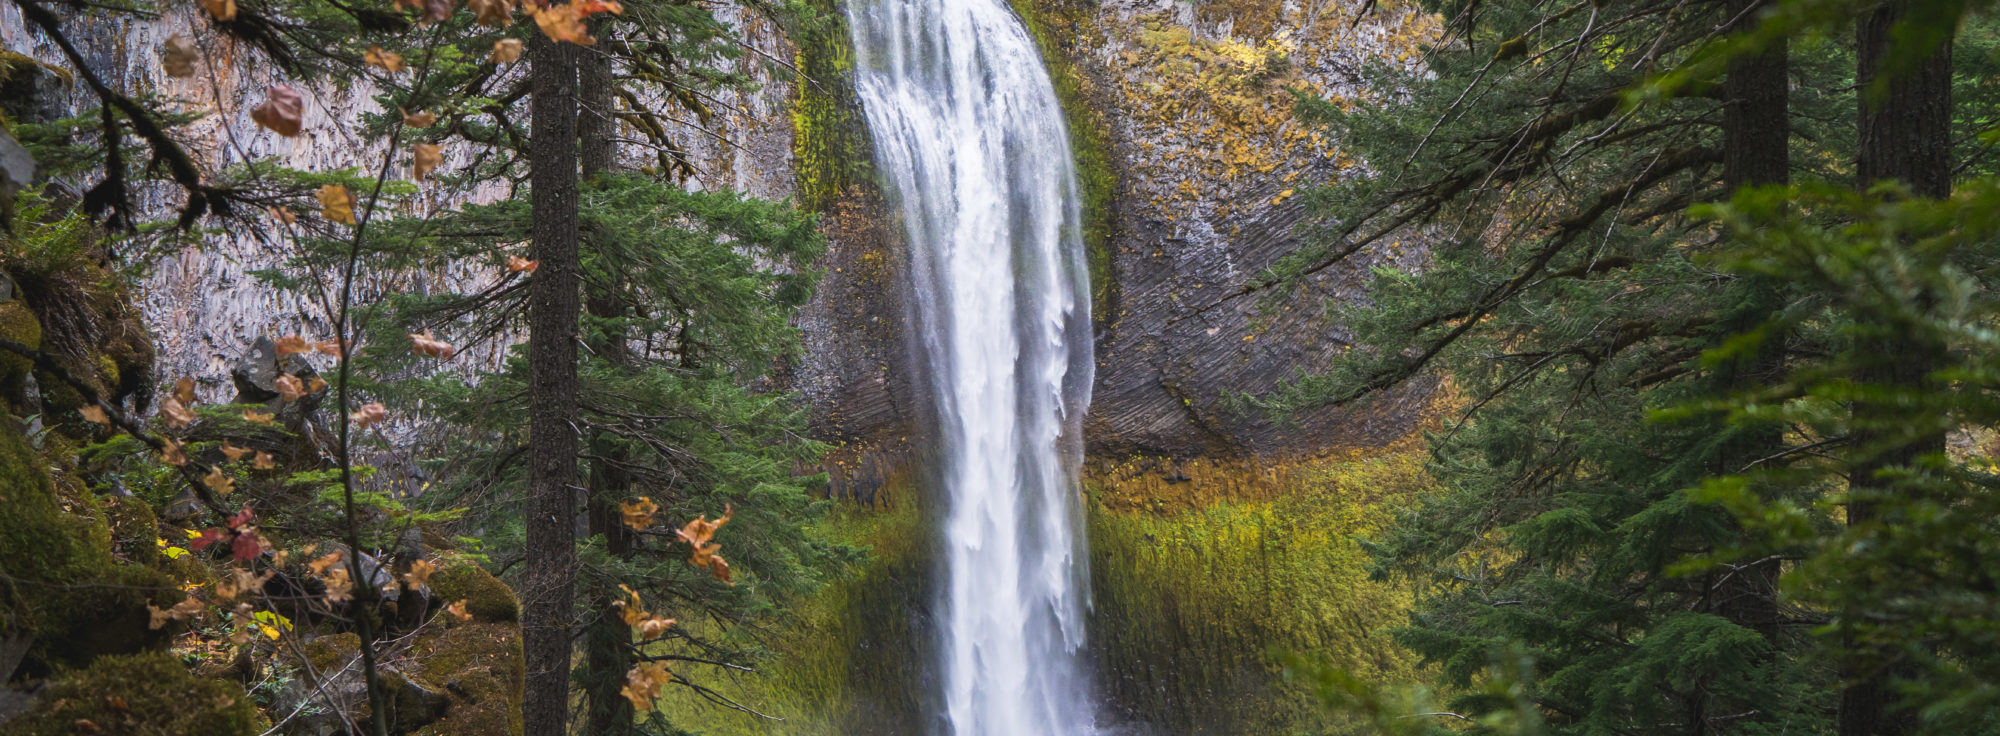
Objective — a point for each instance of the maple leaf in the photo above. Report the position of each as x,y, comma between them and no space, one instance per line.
170,451
176,413
418,119
457,611
562,23
240,582
241,519
219,482
233,452
222,10
177,56
289,387
425,158
638,512
316,385
642,684
495,13
654,628
427,346
419,574
336,204
283,111
259,417
339,588
184,390
698,534
719,568
507,51
207,537
292,345
264,461
517,264
631,609
94,414
369,416
388,61
320,565
248,545
587,8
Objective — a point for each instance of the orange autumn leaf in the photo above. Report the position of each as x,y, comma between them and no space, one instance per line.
562,23
291,344
282,215
517,264
654,628
506,51
643,683
430,347
320,565
699,535
259,417
419,119
388,61
222,10
638,512
177,56
336,204
419,574
94,414
180,611
495,13
327,347
369,416
316,385
457,611
289,387
264,461
283,111
426,157
233,452
587,8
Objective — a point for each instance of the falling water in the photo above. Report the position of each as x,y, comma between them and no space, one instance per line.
971,140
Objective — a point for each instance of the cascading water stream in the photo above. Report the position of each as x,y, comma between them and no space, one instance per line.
971,141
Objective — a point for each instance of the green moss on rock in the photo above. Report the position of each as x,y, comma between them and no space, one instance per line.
480,664
18,325
486,598
69,590
139,695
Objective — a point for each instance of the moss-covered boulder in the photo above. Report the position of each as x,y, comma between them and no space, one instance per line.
139,695
17,325
69,591
480,666
486,598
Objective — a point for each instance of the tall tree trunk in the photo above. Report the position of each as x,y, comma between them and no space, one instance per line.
1756,136
607,653
1905,135
554,297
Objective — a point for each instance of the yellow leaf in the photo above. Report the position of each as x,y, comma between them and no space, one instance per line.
388,61
222,10
426,158
336,204
638,512
506,51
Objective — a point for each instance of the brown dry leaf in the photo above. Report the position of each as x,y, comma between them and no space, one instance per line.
698,534
222,10
241,582
233,452
719,568
654,628
495,13
283,215
170,451
283,110
507,51
426,157
94,414
369,416
177,56
177,415
430,347
419,119
631,608
638,512
264,461
327,347
180,611
388,61
222,484
457,611
339,588
643,683
336,204
184,390
290,388
517,264
259,417
437,10
291,344
420,573
316,385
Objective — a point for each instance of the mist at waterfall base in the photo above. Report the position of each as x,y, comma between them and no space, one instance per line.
971,145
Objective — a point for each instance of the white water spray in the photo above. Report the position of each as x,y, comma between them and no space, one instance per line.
971,140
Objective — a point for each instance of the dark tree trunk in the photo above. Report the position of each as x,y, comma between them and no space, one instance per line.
1905,136
548,593
595,123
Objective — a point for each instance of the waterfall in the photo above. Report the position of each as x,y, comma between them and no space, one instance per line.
971,143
